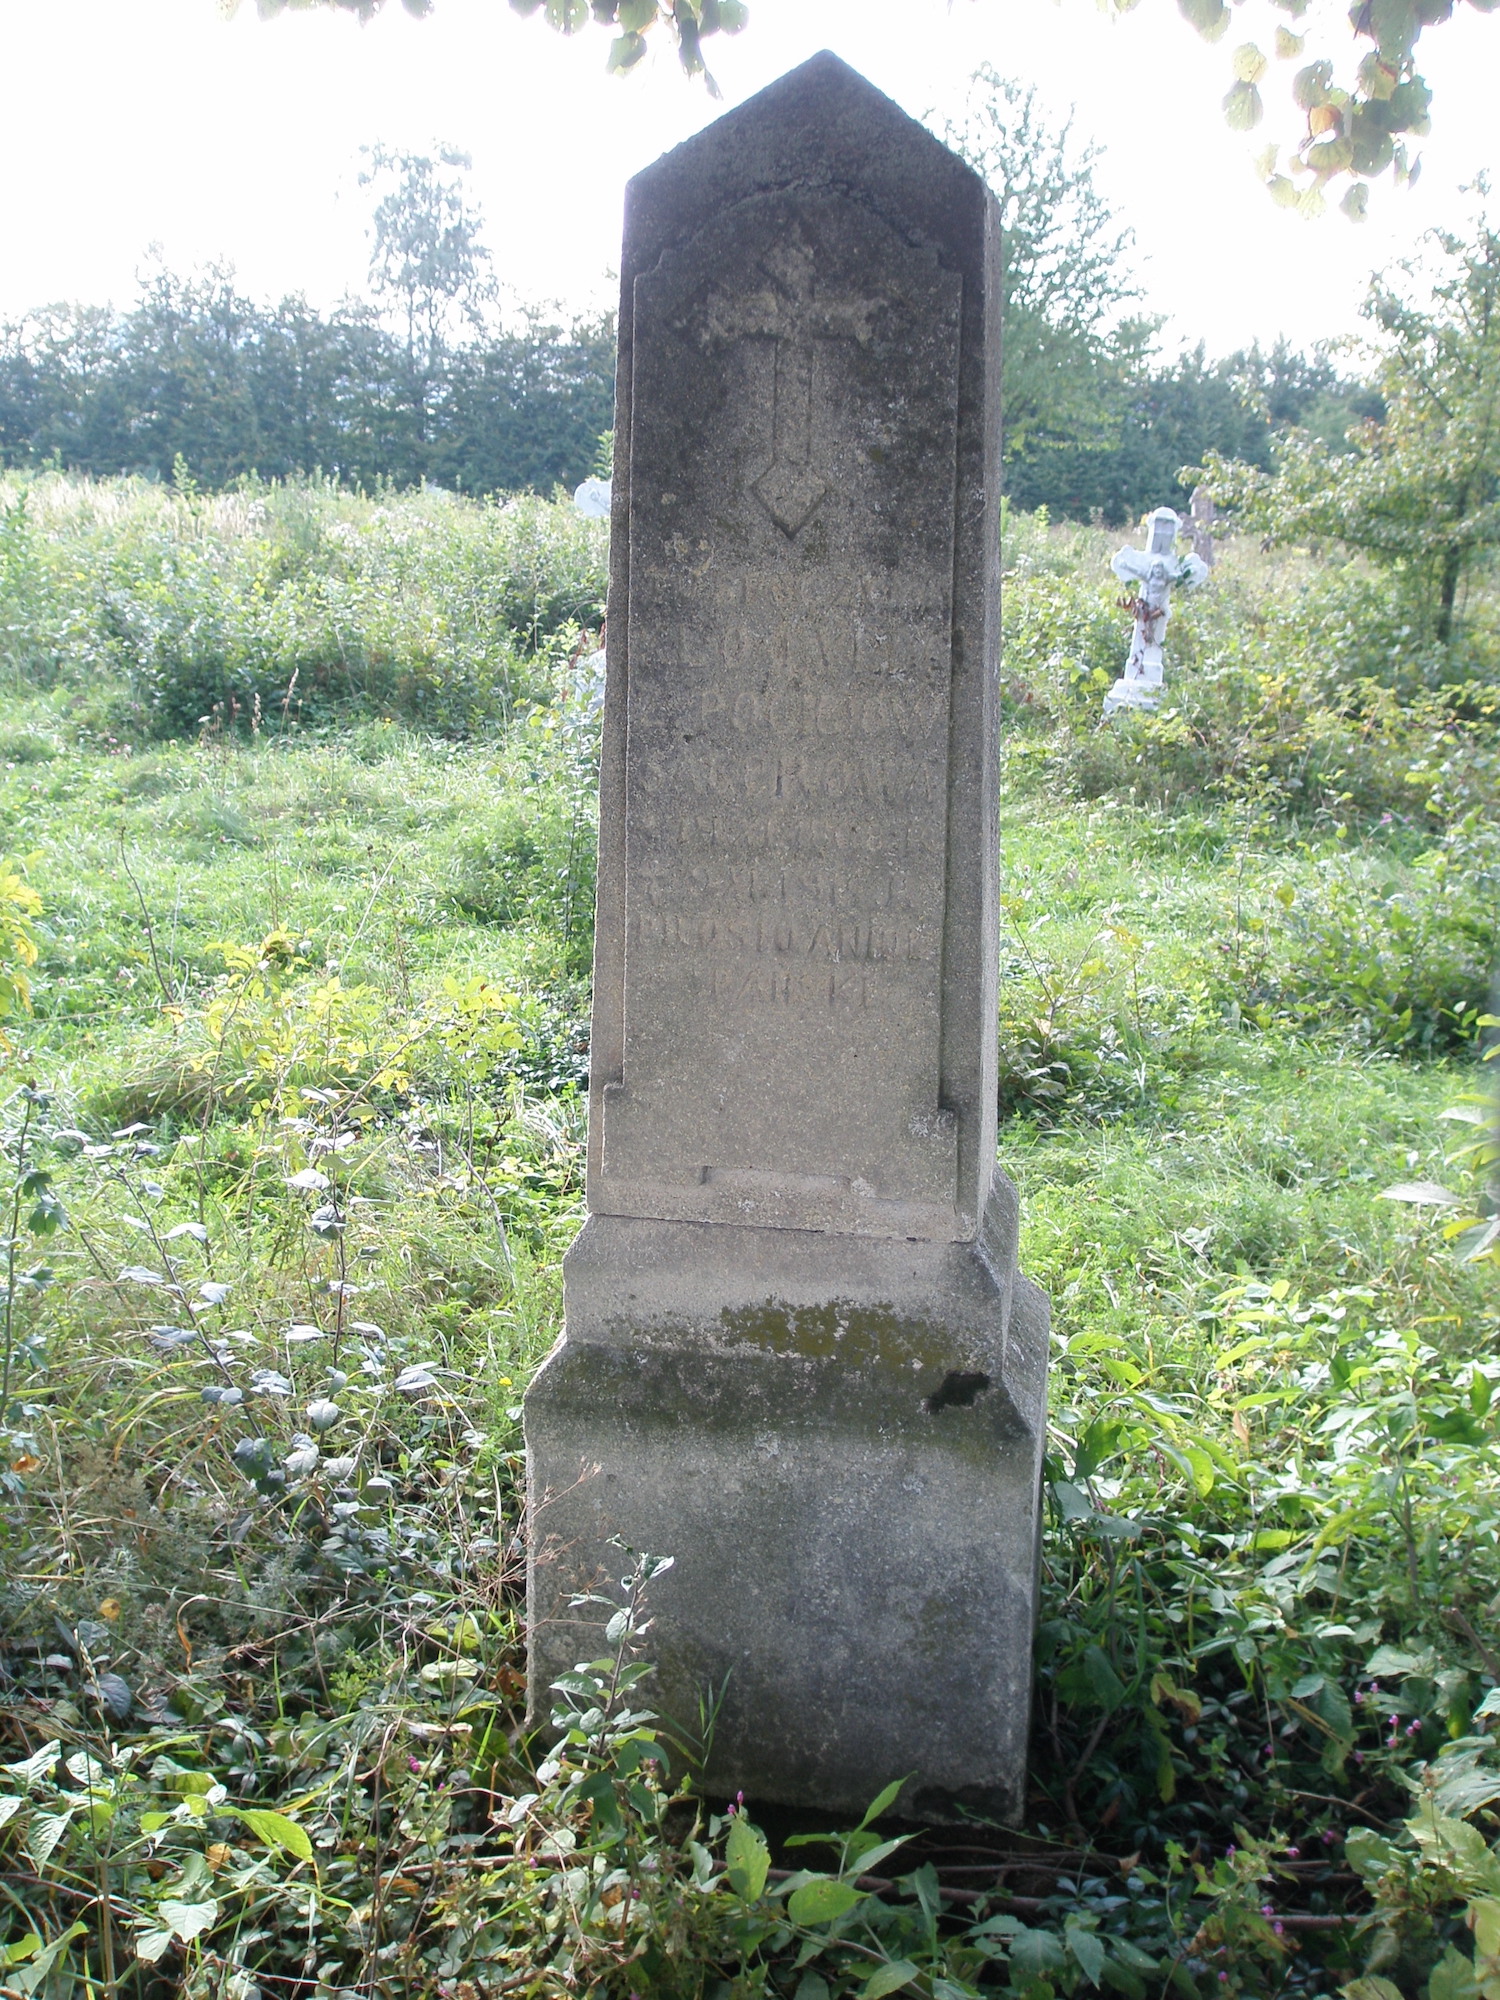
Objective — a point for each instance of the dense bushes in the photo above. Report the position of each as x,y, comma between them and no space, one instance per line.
165,609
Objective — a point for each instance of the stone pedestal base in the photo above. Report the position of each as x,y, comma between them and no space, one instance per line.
839,1441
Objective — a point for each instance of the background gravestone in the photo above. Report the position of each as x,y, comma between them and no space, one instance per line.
798,1357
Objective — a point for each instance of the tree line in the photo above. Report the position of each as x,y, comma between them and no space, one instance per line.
429,379
197,372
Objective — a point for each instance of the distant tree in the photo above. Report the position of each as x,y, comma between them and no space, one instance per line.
527,406
428,262
1066,270
197,371
1420,490
1296,391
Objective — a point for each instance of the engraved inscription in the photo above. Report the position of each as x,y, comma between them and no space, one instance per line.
793,467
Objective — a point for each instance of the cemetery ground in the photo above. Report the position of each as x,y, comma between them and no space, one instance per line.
293,1148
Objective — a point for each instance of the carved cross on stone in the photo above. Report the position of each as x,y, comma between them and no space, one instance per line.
789,308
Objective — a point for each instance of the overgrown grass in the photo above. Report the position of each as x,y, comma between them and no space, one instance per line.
304,1072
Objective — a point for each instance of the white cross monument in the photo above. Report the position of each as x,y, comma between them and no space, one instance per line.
1155,569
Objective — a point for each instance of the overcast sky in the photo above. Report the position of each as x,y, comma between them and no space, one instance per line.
133,122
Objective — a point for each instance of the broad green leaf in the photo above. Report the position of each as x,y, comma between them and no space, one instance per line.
1087,1949
889,1979
9,1807
1243,109
1249,64
1209,17
1036,1953
1371,1987
1484,1921
1453,1978
747,1858
1104,1684
822,1900
1310,85
152,1945
43,1834
188,1920
40,1764
277,1830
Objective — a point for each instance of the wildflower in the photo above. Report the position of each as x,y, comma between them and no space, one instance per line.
1294,1854
1280,1929
413,1764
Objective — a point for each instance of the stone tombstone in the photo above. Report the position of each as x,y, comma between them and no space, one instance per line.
798,1356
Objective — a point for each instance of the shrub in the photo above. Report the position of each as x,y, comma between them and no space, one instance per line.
295,601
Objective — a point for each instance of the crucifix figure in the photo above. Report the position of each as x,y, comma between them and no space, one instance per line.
789,308
1155,569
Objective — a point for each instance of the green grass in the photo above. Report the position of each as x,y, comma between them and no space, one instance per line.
339,977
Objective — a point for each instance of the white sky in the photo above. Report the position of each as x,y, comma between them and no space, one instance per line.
132,122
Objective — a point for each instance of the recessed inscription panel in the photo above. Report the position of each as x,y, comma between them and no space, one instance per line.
792,471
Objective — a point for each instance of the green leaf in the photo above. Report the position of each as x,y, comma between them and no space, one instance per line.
1393,24
1249,64
1104,1684
40,1963
188,1920
1087,1949
1209,17
822,1900
277,1830
1371,1987
40,1764
882,1802
889,1979
625,52
1036,1953
1453,1978
1242,107
1310,86
1369,1853
748,1859
870,1859
43,1834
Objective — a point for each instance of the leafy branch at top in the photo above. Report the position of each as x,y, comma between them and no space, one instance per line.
687,23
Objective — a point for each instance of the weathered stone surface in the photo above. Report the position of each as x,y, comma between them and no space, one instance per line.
798,1357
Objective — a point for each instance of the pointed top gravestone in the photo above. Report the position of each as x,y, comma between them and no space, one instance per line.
798,1357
